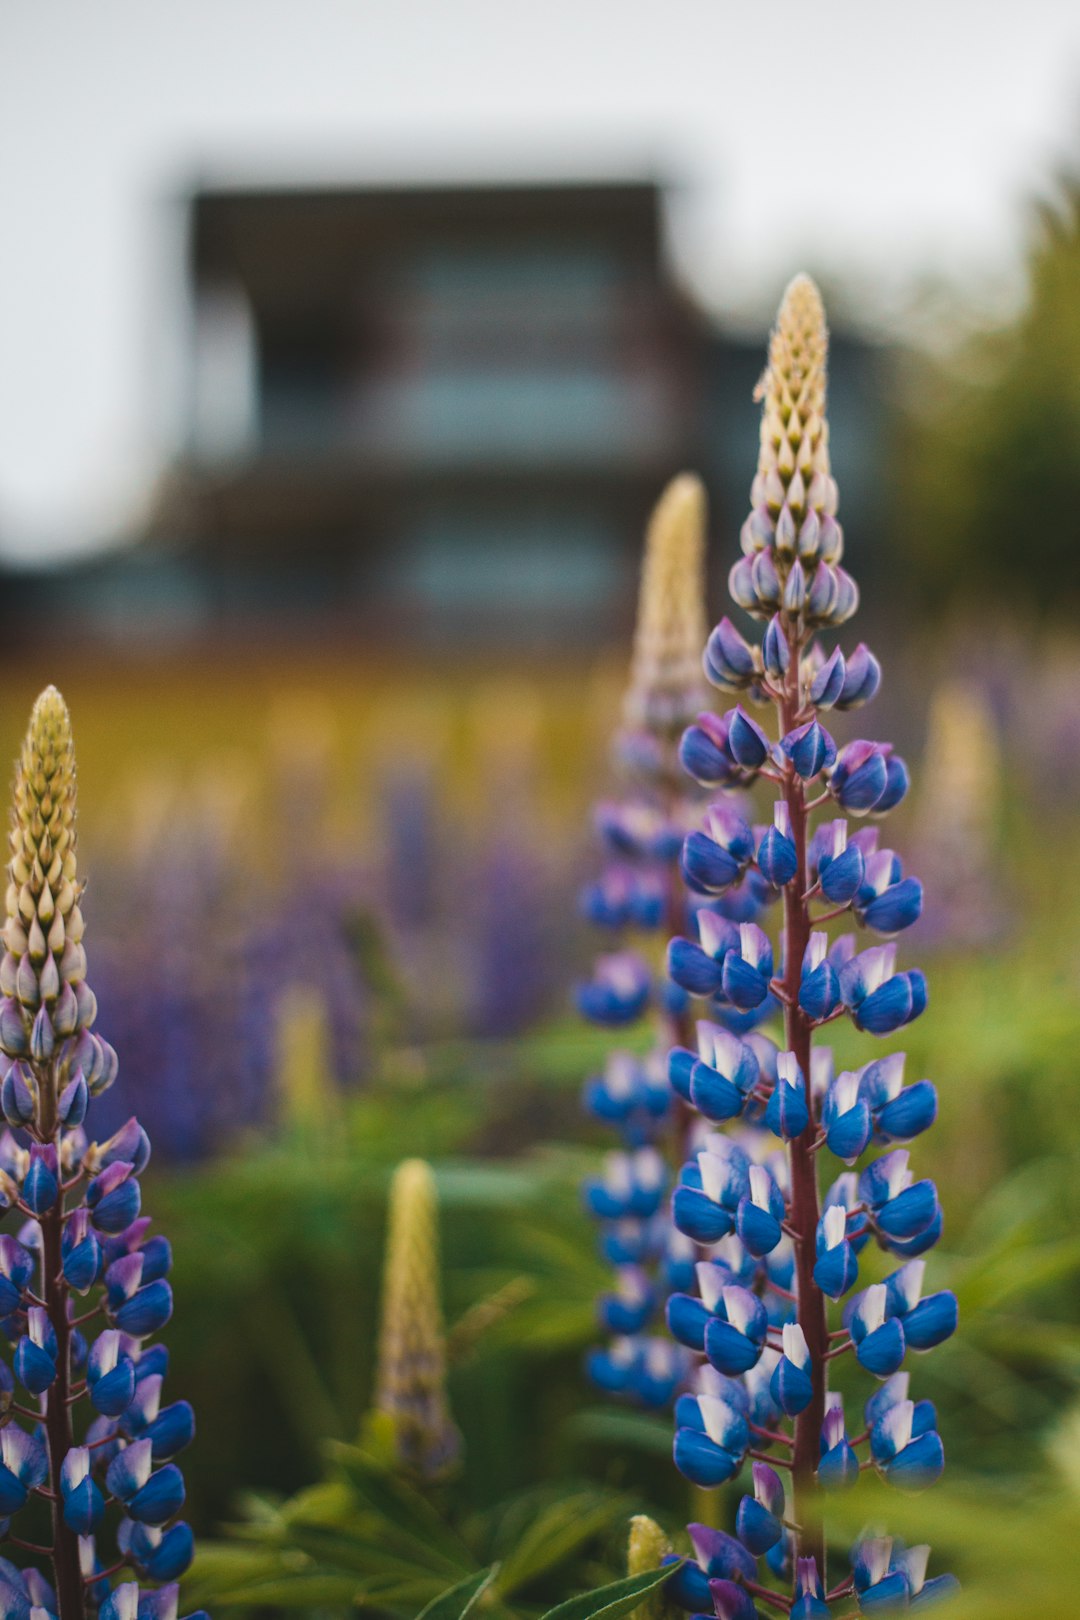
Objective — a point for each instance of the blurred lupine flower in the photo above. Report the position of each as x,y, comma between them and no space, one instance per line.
82,1231
957,817
410,1387
307,1096
775,1253
201,1056
638,893
666,685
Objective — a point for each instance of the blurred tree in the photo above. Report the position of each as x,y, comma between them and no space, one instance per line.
987,487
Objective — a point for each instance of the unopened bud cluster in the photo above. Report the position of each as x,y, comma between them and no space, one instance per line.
791,541
411,1384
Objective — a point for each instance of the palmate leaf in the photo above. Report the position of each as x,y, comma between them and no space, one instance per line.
558,1532
613,1601
456,1602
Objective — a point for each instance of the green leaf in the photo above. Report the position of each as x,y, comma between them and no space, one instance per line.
1003,1275
613,1601
456,1601
627,1430
558,1533
300,1591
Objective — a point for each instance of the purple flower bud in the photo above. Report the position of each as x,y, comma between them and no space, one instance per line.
41,1186
729,659
775,652
741,585
860,776
821,596
861,680
13,1035
65,1013
18,1095
42,1037
766,582
749,745
847,598
73,1101
828,683
810,749
731,1602
794,597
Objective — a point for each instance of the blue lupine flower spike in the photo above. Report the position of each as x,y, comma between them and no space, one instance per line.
638,895
775,1294
105,1438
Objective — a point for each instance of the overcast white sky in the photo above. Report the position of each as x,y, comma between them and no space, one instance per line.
890,139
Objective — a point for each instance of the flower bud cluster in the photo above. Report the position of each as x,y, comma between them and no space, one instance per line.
776,1257
83,1283
791,541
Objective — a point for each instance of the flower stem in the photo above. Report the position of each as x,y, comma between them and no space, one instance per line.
805,1211
58,1431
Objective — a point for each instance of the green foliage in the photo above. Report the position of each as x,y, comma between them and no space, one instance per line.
613,1601
459,1600
367,1540
1015,1547
990,465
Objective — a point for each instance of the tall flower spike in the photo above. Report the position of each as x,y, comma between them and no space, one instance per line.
83,1252
763,1316
666,685
410,1386
638,894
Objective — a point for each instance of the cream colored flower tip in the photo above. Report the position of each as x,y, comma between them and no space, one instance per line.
48,736
648,1545
44,808
678,518
671,608
798,352
413,1180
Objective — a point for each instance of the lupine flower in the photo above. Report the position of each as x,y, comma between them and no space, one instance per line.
618,990
637,893
838,1465
665,675
836,1267
761,1318
957,816
410,1385
82,1233
306,1092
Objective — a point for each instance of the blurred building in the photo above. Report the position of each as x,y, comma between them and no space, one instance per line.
438,416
